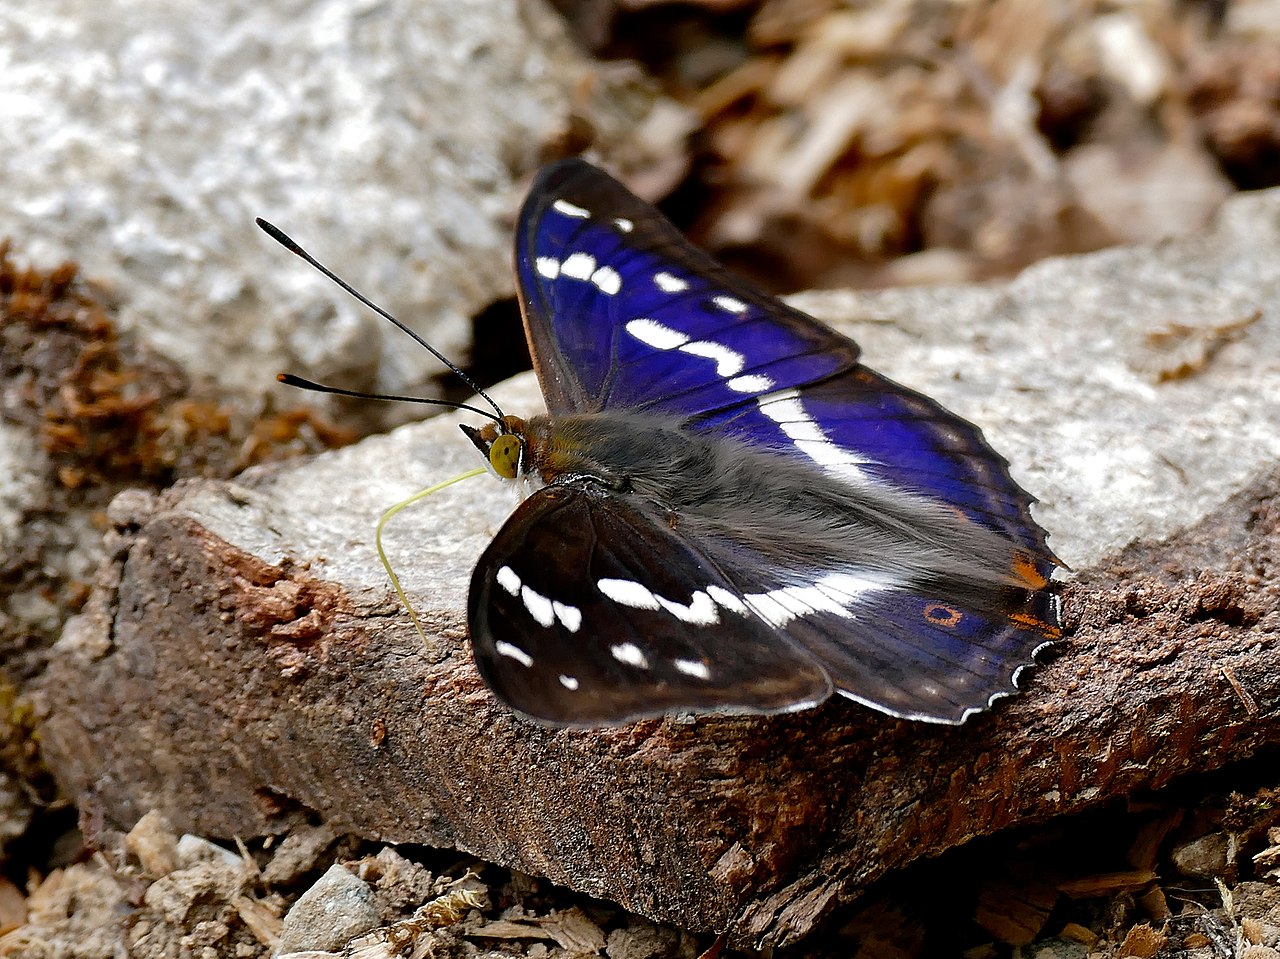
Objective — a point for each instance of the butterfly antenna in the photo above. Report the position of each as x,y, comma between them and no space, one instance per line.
288,379
288,243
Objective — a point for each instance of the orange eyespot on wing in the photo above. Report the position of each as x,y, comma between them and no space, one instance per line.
940,614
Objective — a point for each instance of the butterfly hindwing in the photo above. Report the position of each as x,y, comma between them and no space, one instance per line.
652,622
644,625
904,649
866,427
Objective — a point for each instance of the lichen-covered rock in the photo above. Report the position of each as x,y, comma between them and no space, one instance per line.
389,137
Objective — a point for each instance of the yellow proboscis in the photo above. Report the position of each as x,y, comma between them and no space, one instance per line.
382,521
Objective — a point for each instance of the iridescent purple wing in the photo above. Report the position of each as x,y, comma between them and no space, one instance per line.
622,313
624,316
862,426
931,653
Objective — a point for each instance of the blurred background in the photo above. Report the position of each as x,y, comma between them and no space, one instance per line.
842,144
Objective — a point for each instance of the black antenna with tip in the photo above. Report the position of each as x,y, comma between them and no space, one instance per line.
288,379
288,243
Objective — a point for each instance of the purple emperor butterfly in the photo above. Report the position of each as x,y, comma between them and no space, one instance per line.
726,511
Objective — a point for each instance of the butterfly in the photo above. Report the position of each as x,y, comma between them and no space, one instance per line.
724,510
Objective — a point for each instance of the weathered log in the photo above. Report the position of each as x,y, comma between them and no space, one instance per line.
233,691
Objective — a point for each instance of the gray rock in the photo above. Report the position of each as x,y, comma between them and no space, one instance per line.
330,914
193,850
22,467
1205,857
297,853
389,137
1132,390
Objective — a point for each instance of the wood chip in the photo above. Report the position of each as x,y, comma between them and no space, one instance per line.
573,930
1142,942
260,918
1013,911
1107,883
506,929
155,844
13,906
1078,933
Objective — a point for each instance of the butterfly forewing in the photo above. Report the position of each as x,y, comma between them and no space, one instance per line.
663,342
645,625
623,313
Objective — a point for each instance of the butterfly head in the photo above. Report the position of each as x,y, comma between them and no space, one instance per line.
503,445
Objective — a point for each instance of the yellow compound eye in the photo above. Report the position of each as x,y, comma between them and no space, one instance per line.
504,455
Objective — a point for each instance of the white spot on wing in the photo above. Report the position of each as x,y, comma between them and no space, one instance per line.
768,609
787,410
834,593
578,266
630,654
784,407
729,304
751,383
623,224
607,280
547,266
539,606
627,592
791,598
670,283
513,652
569,682
728,600
826,454
692,667
851,585
701,610
813,599
508,579
728,362
569,209
652,333
804,430
569,616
